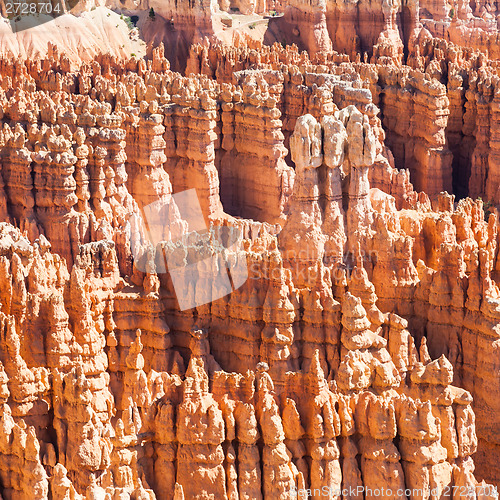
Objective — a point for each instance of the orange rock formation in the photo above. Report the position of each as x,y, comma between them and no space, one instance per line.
359,349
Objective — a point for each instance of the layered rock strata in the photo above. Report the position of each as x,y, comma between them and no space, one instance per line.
359,339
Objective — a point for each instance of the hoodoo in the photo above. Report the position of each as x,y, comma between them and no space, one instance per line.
250,250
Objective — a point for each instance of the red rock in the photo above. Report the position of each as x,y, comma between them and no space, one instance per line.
308,374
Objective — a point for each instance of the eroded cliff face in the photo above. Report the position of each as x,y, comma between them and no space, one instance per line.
90,405
356,345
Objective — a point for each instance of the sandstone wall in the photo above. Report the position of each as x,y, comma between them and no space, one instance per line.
309,372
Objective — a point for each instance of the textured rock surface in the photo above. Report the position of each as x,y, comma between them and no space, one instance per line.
359,345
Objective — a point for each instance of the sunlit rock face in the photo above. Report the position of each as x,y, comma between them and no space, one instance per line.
262,276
